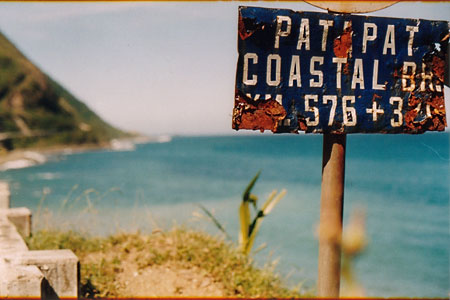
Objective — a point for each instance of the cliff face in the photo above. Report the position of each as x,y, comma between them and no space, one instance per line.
36,111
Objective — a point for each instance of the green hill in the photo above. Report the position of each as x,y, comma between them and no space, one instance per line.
35,111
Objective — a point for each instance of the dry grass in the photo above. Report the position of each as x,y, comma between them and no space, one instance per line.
107,263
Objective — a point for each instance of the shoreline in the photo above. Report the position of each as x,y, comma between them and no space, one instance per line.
27,157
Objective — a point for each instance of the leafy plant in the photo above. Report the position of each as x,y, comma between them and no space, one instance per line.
249,229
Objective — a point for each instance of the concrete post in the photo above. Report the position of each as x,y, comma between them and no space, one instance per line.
45,274
60,269
20,281
10,239
21,218
4,195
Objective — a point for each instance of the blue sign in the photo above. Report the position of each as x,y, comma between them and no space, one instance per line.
336,73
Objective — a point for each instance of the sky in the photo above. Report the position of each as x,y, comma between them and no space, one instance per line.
152,67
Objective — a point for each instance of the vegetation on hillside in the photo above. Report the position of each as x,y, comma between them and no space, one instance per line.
35,111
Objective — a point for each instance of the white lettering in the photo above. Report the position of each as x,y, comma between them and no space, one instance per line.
277,59
389,41
426,77
256,98
367,37
313,109
315,72
397,111
325,24
279,32
375,84
303,37
278,98
333,100
347,24
410,77
358,74
339,61
294,73
245,79
428,110
349,113
375,111
412,30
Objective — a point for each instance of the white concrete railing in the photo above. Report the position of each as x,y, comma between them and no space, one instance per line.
45,274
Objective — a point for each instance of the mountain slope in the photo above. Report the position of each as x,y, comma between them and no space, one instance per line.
36,111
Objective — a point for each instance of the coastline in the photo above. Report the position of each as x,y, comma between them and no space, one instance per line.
22,158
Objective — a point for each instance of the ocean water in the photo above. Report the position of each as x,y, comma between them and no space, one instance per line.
402,181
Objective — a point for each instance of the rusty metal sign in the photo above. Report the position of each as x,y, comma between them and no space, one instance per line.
336,73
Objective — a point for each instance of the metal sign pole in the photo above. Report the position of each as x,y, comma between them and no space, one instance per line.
331,208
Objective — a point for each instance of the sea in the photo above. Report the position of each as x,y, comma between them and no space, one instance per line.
400,181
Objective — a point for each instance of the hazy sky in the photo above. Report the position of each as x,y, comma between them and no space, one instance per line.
151,67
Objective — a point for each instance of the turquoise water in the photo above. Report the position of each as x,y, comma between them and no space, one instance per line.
401,180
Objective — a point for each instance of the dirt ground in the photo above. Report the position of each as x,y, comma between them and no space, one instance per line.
170,279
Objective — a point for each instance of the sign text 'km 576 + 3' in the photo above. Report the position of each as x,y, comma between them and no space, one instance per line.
335,73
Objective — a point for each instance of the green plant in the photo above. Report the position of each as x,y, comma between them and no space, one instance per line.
249,229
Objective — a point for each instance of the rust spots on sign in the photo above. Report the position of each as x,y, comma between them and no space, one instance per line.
427,115
243,34
257,114
375,97
247,27
302,123
342,46
438,66
343,43
426,104
436,113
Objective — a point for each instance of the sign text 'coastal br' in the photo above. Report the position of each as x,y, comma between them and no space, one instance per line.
335,73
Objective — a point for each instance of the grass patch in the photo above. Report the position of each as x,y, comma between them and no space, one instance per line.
103,260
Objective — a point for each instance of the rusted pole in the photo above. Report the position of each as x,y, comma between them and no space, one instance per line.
331,207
